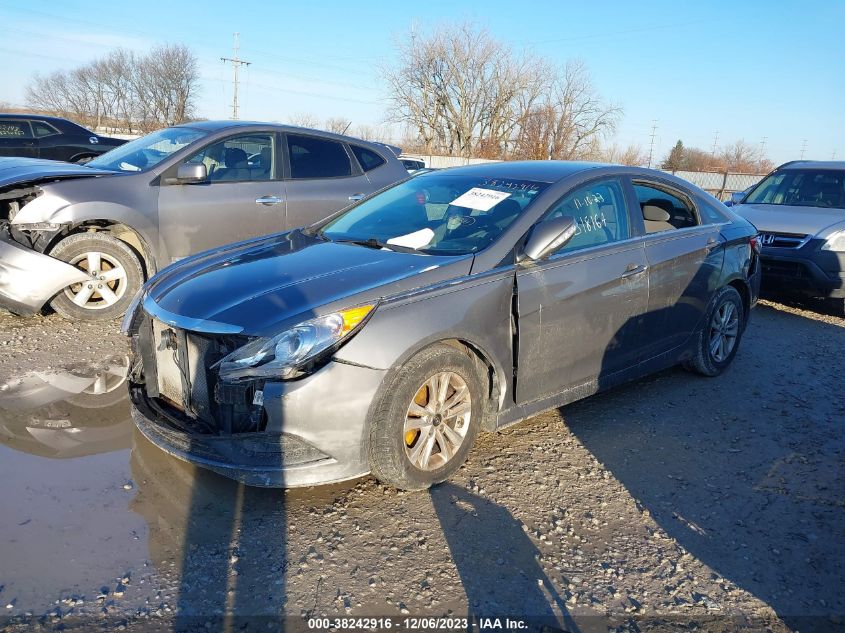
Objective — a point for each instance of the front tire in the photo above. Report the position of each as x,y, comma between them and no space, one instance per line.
718,338
428,419
115,271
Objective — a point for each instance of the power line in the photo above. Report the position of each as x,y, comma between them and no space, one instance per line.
236,64
803,148
651,145
763,146
715,141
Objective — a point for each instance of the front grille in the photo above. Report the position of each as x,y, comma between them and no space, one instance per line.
783,240
792,270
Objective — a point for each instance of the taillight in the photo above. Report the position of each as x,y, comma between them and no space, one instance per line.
756,244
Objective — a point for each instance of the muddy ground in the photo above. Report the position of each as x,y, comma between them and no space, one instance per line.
672,500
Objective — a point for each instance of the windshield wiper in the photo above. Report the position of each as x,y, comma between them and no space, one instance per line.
372,242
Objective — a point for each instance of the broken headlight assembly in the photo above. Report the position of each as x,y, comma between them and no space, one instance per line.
284,355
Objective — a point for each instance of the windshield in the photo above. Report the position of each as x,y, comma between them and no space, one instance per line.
801,187
148,151
436,214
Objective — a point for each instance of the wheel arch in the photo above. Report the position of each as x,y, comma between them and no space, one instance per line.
125,233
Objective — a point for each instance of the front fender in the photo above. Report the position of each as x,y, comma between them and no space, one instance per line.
477,311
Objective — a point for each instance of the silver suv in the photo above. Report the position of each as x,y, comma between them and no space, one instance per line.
85,238
799,210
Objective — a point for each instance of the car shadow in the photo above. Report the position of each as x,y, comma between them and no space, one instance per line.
752,487
497,562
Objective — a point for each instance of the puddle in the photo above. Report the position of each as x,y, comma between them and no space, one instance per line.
65,439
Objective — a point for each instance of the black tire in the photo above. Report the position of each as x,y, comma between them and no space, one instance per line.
835,307
704,361
113,250
387,450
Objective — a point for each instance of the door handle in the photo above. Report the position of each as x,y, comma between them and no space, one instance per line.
268,201
634,269
355,197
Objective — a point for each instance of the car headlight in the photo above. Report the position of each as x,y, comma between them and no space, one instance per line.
283,355
835,242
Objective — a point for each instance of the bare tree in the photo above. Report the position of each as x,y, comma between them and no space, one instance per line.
305,119
463,92
123,90
631,155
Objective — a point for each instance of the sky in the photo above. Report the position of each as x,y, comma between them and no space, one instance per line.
769,73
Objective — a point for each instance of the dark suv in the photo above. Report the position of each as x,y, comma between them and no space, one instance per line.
36,136
799,210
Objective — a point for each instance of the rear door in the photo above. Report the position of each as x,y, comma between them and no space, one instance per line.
322,178
243,196
579,310
684,256
16,139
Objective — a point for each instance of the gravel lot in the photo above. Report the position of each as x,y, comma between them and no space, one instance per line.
671,500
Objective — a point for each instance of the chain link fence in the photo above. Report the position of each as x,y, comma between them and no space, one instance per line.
719,184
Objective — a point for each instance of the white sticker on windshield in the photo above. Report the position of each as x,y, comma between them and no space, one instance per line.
480,199
417,239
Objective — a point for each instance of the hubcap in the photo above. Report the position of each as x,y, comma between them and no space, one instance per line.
106,282
437,421
723,331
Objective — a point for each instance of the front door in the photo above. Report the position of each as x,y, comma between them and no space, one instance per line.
579,310
323,179
16,139
242,197
684,255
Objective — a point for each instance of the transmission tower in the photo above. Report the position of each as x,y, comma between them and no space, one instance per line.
236,64
651,145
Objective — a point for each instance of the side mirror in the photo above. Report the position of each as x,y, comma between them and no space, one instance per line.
191,173
547,237
736,198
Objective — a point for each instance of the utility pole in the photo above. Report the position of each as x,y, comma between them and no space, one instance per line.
833,156
715,140
651,145
236,64
763,147
803,148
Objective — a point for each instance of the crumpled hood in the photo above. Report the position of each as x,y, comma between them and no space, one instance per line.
19,171
262,286
777,218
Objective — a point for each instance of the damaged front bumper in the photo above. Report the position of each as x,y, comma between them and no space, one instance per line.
29,279
315,431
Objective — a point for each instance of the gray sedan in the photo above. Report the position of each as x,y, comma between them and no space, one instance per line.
384,339
84,238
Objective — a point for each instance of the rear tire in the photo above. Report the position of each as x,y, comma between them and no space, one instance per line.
835,307
717,340
109,293
399,440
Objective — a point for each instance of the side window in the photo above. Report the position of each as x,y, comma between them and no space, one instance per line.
42,129
312,157
710,214
599,211
663,211
367,159
250,157
15,129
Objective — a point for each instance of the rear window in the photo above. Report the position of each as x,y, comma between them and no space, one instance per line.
368,159
801,187
312,157
42,129
14,129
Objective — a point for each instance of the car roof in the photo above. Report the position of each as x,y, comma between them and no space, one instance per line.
34,115
537,170
813,164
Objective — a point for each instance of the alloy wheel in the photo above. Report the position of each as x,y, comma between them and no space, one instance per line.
437,421
106,283
724,329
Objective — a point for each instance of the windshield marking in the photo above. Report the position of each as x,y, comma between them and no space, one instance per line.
480,199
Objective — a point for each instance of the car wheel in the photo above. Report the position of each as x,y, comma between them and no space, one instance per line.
115,271
428,419
835,307
718,339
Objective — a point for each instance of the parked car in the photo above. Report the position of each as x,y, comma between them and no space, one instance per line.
384,338
412,164
738,196
84,238
36,136
799,210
